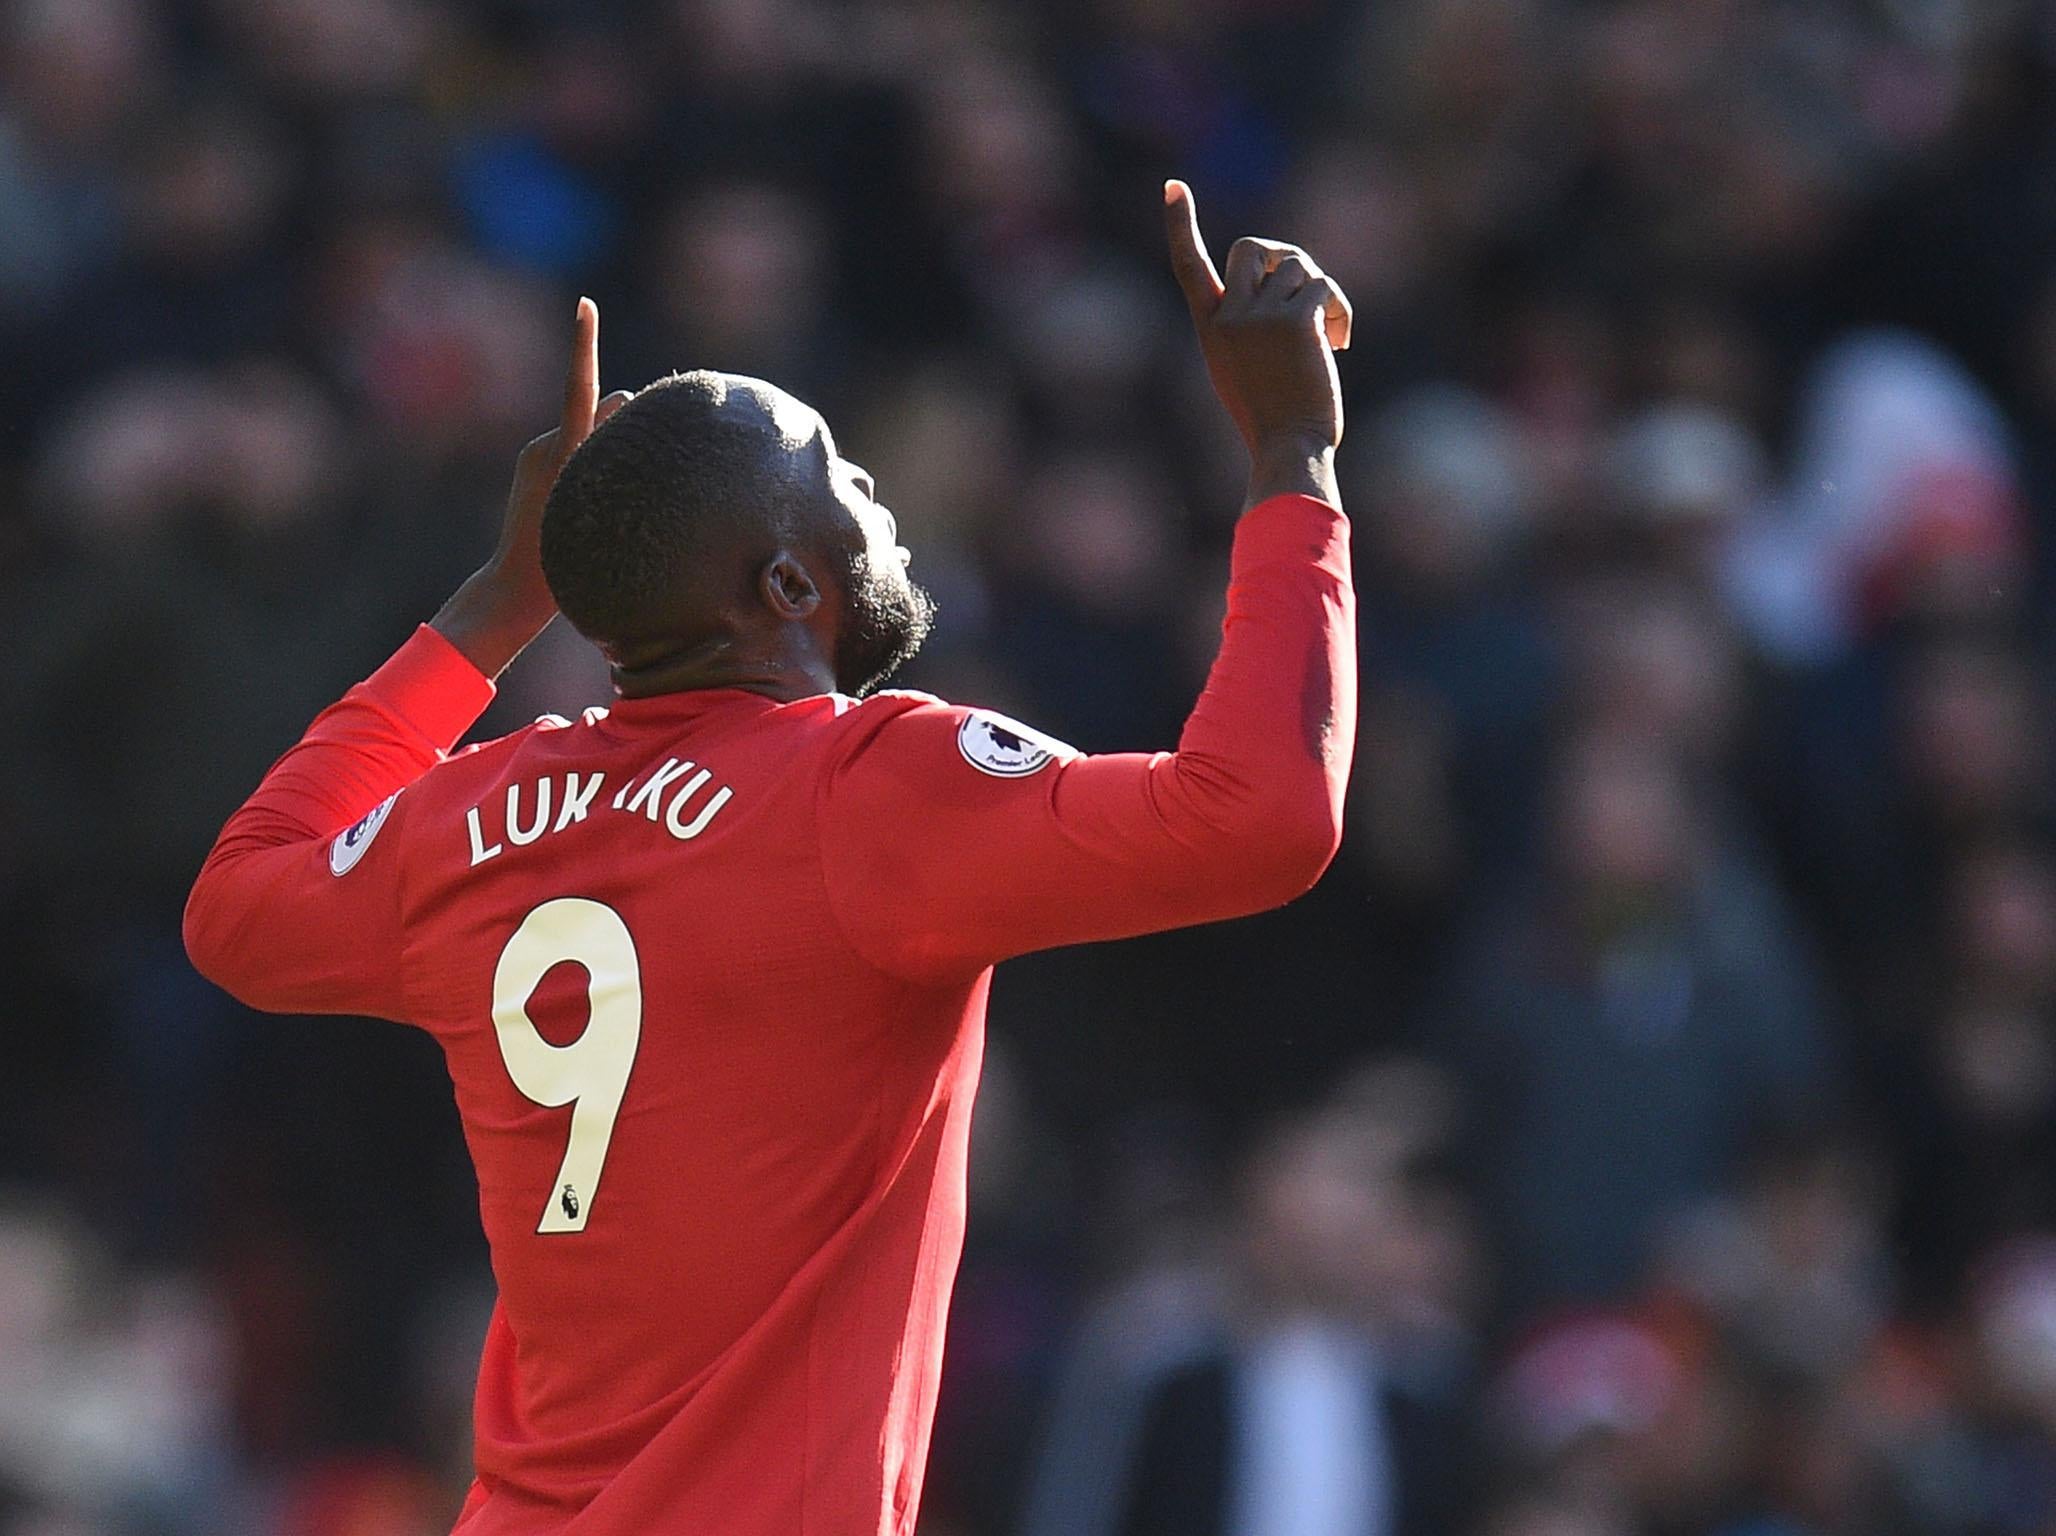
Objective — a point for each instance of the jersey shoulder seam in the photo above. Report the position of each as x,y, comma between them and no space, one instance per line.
855,732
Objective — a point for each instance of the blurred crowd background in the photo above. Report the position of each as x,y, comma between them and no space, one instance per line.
1649,1126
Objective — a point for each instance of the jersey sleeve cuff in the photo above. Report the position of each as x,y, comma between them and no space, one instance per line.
428,683
1293,530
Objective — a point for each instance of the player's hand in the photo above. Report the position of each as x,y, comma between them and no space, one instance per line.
1269,330
507,603
517,564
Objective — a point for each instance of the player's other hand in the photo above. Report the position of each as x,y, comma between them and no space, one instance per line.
518,559
507,603
1269,327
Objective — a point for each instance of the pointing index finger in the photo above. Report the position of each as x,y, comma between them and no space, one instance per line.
582,381
1190,263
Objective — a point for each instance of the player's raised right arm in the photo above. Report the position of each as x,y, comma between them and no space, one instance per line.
942,854
293,910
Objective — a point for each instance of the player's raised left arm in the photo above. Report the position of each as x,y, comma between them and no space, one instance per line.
952,839
291,910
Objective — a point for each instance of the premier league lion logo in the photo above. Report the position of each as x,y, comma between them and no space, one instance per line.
1005,748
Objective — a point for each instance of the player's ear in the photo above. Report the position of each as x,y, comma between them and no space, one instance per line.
788,590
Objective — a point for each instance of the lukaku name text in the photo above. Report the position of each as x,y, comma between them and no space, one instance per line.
678,795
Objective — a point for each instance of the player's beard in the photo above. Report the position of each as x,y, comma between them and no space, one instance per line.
889,617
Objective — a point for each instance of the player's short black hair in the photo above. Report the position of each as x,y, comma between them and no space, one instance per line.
664,489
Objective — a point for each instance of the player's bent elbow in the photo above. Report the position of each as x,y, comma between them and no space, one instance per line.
1309,842
1282,854
198,931
208,930
1262,834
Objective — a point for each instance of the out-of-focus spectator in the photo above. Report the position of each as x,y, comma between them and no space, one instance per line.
1990,1467
741,274
112,1406
1459,665
1622,1018
1793,1274
1975,1090
1610,1420
1682,478
1903,498
1092,535
1651,658
1328,1402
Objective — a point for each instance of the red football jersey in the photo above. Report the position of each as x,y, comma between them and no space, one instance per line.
709,972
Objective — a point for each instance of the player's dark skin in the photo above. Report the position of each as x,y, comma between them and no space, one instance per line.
778,624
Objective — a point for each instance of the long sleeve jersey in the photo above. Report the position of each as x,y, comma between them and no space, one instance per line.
709,973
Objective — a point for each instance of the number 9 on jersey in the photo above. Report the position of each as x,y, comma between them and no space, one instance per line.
591,1072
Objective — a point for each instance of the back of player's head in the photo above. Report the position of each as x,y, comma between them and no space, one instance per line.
686,489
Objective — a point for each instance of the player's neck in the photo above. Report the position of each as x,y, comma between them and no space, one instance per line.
784,673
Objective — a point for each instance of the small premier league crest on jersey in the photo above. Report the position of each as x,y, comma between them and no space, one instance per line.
346,850
1005,748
